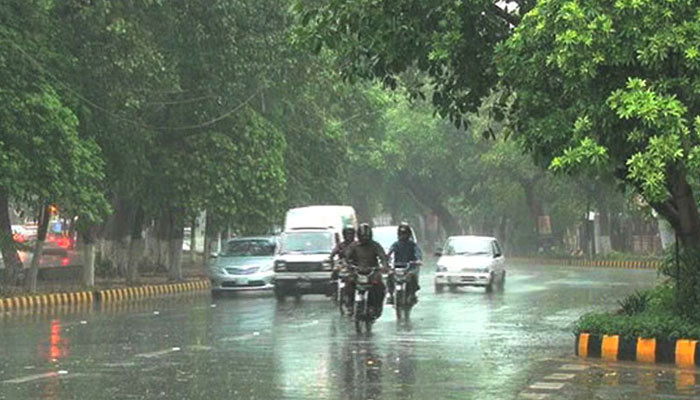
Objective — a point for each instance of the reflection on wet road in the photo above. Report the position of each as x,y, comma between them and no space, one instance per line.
467,345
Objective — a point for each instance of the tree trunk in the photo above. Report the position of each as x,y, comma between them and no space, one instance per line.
89,239
681,211
117,237
176,238
13,264
193,240
137,246
38,248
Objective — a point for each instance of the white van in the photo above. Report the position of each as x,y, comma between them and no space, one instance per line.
302,264
327,217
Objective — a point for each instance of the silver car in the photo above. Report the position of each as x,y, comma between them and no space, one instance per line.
245,263
470,261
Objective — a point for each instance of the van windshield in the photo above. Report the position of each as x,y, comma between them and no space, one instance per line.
307,243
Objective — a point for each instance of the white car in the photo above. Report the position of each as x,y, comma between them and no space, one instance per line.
470,261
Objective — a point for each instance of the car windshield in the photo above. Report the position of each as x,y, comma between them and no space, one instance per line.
386,236
467,246
249,248
307,242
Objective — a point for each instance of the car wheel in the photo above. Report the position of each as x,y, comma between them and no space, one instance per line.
280,294
503,280
439,287
489,287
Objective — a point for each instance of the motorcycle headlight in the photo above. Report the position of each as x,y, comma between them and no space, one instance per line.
280,266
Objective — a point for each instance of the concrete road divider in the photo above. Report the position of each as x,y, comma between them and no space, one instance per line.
639,264
682,352
52,300
141,292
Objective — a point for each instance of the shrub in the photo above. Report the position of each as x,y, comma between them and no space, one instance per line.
635,303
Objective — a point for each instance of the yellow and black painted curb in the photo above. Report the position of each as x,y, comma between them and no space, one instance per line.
638,264
141,292
46,301
682,352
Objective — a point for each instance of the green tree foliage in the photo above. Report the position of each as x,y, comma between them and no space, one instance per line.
613,85
452,42
43,158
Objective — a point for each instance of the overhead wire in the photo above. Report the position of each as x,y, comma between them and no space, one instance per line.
130,121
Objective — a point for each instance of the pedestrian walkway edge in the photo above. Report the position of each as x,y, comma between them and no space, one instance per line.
682,352
45,301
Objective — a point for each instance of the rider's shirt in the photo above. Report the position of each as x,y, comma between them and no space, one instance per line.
367,255
341,250
405,252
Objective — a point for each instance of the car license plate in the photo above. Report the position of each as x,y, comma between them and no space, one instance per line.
304,284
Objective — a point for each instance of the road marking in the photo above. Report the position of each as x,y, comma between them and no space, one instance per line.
533,396
560,377
573,367
306,325
158,353
547,386
30,378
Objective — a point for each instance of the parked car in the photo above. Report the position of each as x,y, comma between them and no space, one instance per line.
245,263
303,264
470,261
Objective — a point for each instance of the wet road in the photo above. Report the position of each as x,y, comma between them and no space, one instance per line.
462,345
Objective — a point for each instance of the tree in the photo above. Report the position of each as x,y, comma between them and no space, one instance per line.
452,42
43,158
613,86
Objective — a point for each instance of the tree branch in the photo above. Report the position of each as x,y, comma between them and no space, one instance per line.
512,19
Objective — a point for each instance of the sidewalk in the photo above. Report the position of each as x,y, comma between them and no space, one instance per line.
190,271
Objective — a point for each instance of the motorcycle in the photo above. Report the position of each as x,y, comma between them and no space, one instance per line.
342,292
364,314
403,300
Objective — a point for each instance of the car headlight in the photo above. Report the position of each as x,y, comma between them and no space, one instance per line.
215,269
267,267
280,266
485,270
441,268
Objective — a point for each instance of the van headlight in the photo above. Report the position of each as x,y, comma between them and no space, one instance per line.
280,266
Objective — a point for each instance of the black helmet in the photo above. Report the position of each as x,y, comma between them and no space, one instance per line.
404,228
348,232
364,232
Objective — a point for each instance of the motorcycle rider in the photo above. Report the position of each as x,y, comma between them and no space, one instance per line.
341,250
405,251
367,254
